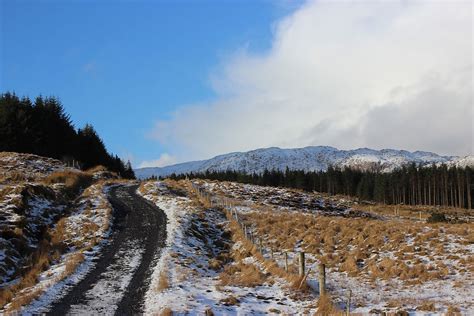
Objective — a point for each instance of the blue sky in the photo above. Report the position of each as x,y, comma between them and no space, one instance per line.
173,81
122,65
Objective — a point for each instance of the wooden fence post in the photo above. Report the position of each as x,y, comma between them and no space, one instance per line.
348,308
322,279
286,261
303,280
261,245
301,263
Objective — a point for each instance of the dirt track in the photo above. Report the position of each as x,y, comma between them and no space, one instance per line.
118,282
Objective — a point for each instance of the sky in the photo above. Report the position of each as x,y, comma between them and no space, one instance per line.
172,81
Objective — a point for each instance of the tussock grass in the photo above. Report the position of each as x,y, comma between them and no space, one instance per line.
13,294
453,311
230,301
23,299
346,244
95,169
72,263
326,306
73,181
427,307
166,312
242,274
163,282
56,242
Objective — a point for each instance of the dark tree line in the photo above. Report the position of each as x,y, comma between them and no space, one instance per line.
43,128
411,184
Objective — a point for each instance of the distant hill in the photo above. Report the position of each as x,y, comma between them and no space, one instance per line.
312,158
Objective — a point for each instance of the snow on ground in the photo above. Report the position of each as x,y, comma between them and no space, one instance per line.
456,254
104,297
18,165
25,211
248,196
93,212
183,281
92,218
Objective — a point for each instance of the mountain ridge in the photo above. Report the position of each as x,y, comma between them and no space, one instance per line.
310,158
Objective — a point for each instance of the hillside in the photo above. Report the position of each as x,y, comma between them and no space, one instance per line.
49,215
312,158
86,242
42,127
236,249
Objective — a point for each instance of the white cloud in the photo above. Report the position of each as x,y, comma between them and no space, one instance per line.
164,160
347,74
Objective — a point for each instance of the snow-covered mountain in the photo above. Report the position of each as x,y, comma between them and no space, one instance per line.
312,158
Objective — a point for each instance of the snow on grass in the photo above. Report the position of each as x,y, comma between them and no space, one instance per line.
16,166
442,254
183,281
25,211
92,208
92,218
249,196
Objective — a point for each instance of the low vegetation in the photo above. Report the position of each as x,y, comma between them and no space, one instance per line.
444,185
37,230
212,261
395,251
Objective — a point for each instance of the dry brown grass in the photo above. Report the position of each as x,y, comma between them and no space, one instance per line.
49,251
59,234
166,312
72,263
179,188
23,299
358,246
453,311
163,282
346,244
35,261
410,211
237,272
241,274
6,295
95,169
427,307
249,275
14,295
74,181
16,176
216,264
326,306
230,301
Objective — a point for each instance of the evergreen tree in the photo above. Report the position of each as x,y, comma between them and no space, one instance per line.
416,185
44,128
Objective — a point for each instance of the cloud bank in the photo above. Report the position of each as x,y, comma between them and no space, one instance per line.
164,160
345,74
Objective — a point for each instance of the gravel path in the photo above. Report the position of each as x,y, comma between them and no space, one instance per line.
118,282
